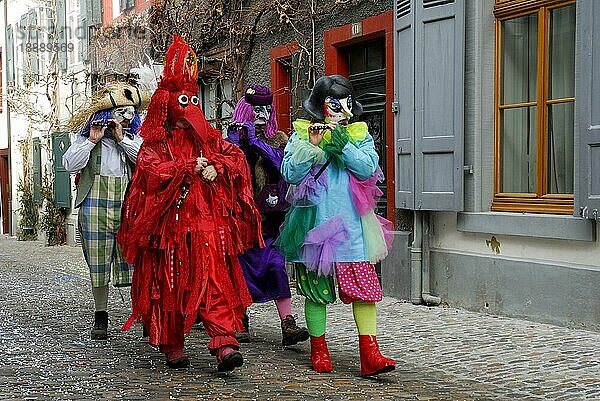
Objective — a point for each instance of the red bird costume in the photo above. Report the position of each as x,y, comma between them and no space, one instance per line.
181,232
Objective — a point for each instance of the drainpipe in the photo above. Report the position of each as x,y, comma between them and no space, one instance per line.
419,267
428,299
416,258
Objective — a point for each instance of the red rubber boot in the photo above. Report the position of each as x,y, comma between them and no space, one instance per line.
319,354
371,361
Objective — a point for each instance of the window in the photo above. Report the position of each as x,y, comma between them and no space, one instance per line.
297,66
534,107
366,57
216,101
127,4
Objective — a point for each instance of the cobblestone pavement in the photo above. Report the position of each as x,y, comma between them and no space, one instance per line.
442,353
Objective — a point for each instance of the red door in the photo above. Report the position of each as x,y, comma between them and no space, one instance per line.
5,191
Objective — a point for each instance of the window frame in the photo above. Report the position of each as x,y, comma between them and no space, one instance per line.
540,201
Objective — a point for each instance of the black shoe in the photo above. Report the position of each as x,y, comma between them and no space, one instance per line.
231,361
100,328
291,333
244,336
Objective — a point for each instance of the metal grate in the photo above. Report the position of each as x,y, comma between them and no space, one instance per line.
435,3
402,8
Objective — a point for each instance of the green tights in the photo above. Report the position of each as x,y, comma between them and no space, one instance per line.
364,316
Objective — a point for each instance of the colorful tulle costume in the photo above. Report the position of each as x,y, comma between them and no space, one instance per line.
181,232
331,228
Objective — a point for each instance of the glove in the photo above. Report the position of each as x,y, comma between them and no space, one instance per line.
339,139
251,132
233,134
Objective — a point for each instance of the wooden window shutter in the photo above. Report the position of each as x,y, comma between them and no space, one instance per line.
33,40
439,104
429,46
94,11
10,54
37,171
404,88
61,28
83,30
587,90
62,179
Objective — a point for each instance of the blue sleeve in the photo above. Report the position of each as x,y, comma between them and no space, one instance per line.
361,159
298,158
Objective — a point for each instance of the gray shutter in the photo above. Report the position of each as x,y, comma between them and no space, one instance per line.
32,39
83,31
429,91
23,64
37,171
61,22
62,180
439,104
587,86
50,26
404,88
10,54
94,11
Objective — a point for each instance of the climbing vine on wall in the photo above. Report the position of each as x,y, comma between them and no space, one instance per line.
53,220
28,208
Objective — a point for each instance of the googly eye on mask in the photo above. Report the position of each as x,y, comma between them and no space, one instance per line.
183,100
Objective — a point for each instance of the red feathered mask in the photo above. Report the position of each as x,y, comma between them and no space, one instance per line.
177,95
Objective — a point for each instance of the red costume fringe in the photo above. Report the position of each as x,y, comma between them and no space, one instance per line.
178,252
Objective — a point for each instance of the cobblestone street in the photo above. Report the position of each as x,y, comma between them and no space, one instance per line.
442,353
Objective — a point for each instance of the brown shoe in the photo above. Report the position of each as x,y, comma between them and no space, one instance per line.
291,333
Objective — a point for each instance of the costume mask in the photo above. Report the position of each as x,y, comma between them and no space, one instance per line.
261,116
256,107
331,100
338,110
123,115
179,103
176,98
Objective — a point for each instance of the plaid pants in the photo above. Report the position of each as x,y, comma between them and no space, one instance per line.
99,221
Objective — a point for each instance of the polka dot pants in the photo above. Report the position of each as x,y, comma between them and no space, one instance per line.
357,281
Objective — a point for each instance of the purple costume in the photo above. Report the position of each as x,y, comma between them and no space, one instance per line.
264,268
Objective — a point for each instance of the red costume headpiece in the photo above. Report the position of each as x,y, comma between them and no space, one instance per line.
177,95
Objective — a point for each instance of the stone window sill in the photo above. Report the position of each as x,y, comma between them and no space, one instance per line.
528,225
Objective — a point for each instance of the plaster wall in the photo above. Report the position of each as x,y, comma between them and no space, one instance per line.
356,12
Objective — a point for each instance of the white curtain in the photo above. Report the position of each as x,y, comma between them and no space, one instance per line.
562,85
518,85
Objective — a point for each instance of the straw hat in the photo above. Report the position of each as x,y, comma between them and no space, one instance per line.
113,95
